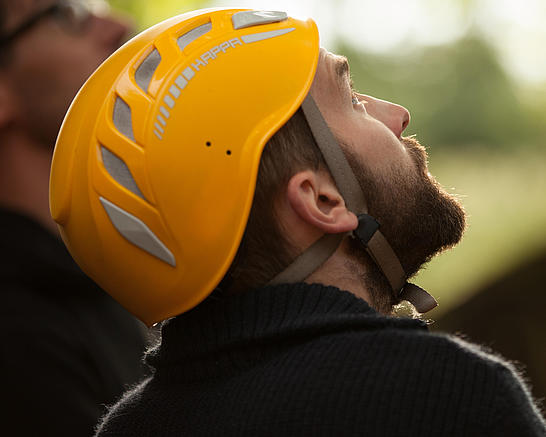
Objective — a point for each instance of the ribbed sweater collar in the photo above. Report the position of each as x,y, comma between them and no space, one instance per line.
262,320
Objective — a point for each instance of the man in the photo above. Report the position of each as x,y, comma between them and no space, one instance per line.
233,179
67,348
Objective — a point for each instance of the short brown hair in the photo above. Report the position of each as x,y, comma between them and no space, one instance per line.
264,251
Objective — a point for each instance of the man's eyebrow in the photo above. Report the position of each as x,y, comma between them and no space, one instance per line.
341,68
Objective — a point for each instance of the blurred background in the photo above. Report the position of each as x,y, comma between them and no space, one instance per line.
473,75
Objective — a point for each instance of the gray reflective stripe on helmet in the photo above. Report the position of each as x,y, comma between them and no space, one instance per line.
245,19
175,91
158,135
377,246
161,120
164,111
193,34
122,118
159,128
255,37
146,70
117,168
169,101
136,232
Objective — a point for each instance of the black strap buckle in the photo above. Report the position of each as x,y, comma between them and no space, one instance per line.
367,227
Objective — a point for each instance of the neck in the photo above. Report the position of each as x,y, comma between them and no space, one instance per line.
356,274
340,272
24,179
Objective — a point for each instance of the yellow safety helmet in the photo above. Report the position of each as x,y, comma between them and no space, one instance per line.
155,166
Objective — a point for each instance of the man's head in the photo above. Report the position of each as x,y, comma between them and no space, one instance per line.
198,158
418,217
48,49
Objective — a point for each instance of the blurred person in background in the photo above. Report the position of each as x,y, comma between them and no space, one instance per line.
67,347
220,173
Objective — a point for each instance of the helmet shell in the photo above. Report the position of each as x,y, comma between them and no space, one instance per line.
153,179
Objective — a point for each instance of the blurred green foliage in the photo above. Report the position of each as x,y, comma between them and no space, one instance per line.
459,94
146,13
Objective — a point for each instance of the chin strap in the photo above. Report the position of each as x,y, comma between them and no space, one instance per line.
382,254
367,231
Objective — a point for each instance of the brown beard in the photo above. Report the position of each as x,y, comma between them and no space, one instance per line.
416,214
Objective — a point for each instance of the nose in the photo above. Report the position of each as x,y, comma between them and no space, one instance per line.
394,116
110,32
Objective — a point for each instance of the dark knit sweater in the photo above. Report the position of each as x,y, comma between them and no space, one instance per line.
316,361
67,348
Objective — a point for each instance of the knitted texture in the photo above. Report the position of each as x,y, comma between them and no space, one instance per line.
312,360
67,348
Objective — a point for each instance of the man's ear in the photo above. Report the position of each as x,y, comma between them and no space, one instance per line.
316,200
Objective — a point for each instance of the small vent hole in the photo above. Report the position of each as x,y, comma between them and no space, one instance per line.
228,152
208,143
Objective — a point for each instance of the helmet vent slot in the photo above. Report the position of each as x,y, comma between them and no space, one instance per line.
122,118
146,70
136,232
193,34
117,168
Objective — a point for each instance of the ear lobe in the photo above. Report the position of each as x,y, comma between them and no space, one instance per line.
316,200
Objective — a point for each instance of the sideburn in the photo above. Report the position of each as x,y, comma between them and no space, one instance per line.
264,251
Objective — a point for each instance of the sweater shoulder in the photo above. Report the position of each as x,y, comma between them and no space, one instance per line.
442,347
115,422
434,347
423,375
432,363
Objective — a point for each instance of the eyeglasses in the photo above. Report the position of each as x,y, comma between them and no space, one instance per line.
71,14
